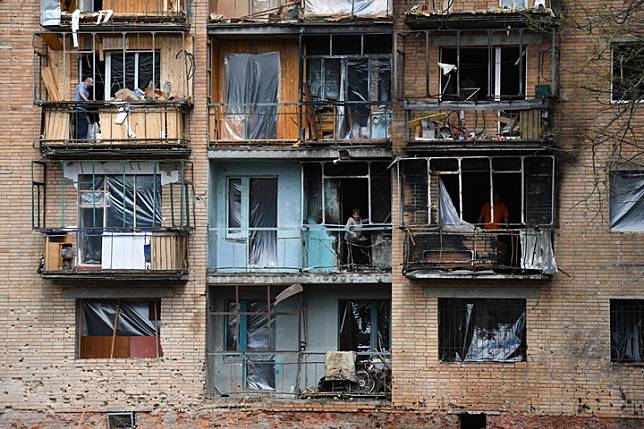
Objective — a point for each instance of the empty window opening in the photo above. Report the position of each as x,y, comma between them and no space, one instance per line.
628,63
364,326
483,74
472,421
627,201
121,420
119,329
627,330
482,330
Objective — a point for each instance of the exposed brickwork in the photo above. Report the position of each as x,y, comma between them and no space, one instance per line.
567,381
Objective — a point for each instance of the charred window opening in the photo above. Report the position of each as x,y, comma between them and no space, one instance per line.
364,325
482,330
472,421
476,73
627,330
333,190
627,201
119,329
628,63
459,190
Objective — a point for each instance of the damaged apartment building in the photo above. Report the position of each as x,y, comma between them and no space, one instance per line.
359,213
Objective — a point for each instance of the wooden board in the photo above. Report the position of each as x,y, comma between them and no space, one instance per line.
57,126
101,346
50,83
167,252
150,124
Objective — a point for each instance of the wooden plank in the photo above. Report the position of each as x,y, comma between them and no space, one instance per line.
53,41
100,347
56,125
50,83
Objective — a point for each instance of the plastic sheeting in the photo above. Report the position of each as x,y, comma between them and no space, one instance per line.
49,12
536,251
123,211
627,201
359,8
449,217
482,330
252,94
134,319
262,220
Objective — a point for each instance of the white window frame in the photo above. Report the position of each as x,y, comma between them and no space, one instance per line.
108,68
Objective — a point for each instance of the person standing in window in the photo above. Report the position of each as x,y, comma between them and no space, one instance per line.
501,214
354,237
81,97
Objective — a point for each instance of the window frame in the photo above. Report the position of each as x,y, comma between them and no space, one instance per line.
627,302
611,175
156,53
613,45
373,321
243,231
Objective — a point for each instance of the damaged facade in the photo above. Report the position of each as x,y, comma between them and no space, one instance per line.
317,214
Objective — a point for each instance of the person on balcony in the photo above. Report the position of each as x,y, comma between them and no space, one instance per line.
501,220
501,214
81,97
356,240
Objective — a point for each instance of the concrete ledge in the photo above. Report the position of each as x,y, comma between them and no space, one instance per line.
115,292
304,278
304,152
482,292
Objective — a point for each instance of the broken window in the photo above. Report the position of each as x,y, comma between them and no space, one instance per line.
627,201
116,203
349,84
364,325
251,96
482,330
476,73
521,188
628,63
250,328
119,329
131,70
252,216
627,330
346,186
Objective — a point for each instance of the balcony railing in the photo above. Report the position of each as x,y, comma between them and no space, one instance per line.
109,12
312,248
296,374
96,252
451,251
445,7
289,123
119,123
463,123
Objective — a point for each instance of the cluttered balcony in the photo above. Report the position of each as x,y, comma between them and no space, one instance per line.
113,95
283,11
477,88
113,220
299,342
338,93
114,13
485,13
478,217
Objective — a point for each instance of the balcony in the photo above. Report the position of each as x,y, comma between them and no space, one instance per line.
272,11
464,13
310,253
478,125
112,13
116,128
110,220
314,123
453,253
100,254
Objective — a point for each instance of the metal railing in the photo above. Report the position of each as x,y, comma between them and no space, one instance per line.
295,374
456,248
116,123
478,124
288,123
311,248
141,10
93,249
442,7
